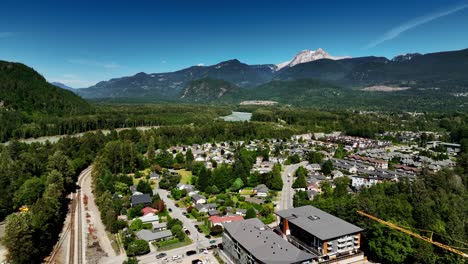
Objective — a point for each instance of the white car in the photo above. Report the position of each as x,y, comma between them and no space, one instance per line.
175,257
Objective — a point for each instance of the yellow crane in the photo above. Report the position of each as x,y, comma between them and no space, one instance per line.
429,240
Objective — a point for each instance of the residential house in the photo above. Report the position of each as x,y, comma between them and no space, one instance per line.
198,199
149,218
137,199
261,190
205,208
241,212
159,226
149,210
149,236
221,220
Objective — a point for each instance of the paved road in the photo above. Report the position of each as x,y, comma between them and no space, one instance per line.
203,242
287,193
187,222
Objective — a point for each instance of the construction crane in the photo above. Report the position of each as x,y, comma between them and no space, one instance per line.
429,240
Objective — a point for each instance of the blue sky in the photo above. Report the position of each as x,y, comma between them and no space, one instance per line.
85,42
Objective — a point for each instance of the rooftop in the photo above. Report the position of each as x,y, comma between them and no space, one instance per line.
151,236
222,219
318,223
264,244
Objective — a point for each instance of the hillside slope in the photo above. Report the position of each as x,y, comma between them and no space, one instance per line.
24,90
209,90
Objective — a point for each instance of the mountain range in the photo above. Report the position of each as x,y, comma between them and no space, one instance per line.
442,70
63,86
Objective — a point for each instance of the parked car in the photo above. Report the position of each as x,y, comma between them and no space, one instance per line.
211,247
208,236
212,241
176,205
187,232
197,261
176,257
190,252
170,210
161,255
220,246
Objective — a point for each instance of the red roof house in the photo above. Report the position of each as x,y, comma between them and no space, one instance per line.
220,220
148,210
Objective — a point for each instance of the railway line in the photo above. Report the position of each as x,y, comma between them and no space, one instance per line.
73,240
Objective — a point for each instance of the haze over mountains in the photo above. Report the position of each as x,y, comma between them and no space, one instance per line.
442,70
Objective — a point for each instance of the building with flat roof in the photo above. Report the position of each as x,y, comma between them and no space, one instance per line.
250,241
320,233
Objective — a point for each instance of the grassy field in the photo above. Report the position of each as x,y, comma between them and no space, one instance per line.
186,176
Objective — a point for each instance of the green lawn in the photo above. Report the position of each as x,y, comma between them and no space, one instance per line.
172,244
204,229
186,176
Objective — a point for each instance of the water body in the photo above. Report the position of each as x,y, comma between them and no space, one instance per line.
54,139
237,116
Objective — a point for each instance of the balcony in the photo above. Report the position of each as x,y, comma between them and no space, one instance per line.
342,240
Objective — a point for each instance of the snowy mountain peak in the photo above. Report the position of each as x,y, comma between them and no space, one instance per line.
405,57
308,56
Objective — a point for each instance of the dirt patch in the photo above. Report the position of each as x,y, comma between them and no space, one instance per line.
384,88
3,250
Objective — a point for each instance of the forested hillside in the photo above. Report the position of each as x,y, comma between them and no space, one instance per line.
210,90
24,90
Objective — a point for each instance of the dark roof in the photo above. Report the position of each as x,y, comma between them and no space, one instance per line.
261,188
197,197
141,199
318,223
150,236
263,243
213,212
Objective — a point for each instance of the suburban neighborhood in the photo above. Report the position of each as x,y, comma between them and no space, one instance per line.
192,205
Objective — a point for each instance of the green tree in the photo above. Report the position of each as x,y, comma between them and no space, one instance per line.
144,187
300,182
204,179
18,239
250,213
276,182
164,159
327,167
29,192
151,153
137,247
179,158
315,157
189,158
136,225
237,185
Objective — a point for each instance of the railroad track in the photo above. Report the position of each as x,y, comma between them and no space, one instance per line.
75,233
71,245
79,229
